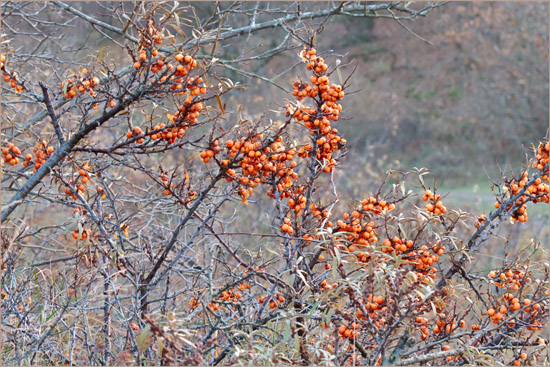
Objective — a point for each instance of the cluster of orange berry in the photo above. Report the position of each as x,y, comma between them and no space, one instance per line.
350,332
257,164
376,205
79,84
12,79
286,227
435,205
169,134
538,191
447,324
317,212
42,151
209,153
11,154
397,245
497,316
85,232
359,235
148,37
326,145
193,303
523,356
318,120
509,279
188,112
325,285
480,221
376,307
230,296
302,90
244,285
168,186
84,177
511,303
532,311
83,236
320,84
186,115
185,63
424,259
375,303
298,204
277,301
446,348
194,84
136,131
542,158
422,324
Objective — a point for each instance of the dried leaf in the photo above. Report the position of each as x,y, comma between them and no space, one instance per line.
144,339
220,104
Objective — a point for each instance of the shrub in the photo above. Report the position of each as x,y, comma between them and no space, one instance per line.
146,183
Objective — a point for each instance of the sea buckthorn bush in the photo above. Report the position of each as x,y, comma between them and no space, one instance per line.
142,182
